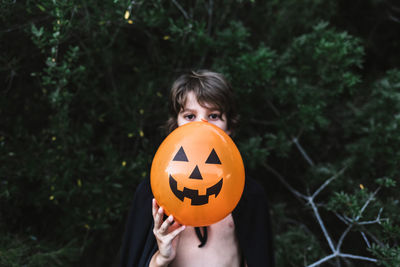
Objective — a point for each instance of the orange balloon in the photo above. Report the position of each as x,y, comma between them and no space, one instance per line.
197,174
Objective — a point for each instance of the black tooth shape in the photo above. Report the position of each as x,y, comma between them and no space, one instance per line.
199,200
215,189
174,187
193,195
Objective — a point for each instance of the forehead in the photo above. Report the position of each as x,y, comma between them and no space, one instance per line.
190,101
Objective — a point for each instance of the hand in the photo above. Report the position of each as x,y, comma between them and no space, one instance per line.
167,235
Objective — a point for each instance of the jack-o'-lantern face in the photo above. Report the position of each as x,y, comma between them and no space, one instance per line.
197,174
193,194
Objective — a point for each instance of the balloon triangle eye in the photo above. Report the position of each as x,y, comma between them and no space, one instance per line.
213,158
180,156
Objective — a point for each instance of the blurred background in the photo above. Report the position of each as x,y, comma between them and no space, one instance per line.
84,90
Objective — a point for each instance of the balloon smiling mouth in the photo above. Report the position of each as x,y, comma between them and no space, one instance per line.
197,200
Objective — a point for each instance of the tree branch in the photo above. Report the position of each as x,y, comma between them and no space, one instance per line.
351,256
349,222
371,197
365,239
302,151
343,236
342,255
327,258
327,182
286,184
181,9
321,224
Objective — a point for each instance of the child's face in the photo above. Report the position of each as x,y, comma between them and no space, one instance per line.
193,111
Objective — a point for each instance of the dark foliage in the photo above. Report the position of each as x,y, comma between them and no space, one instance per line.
84,88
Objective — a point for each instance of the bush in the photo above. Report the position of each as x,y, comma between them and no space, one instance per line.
85,93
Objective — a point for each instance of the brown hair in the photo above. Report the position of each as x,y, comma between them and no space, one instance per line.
210,88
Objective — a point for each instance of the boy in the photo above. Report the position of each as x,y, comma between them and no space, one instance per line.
243,238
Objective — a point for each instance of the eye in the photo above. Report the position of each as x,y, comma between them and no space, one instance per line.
180,155
214,116
213,158
189,117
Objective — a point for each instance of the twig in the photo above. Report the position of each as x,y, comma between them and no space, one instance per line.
343,236
181,9
348,221
321,224
286,184
322,260
342,255
371,197
274,109
365,239
351,256
376,240
377,220
327,182
300,148
342,218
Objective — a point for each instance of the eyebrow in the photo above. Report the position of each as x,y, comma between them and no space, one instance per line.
192,110
187,109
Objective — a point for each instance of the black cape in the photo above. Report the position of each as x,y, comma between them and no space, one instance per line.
252,225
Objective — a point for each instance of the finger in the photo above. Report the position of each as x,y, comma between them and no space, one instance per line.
154,207
166,224
174,225
176,232
158,218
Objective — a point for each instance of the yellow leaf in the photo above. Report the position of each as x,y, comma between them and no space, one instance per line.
51,197
362,186
127,13
166,37
124,163
79,182
141,133
130,21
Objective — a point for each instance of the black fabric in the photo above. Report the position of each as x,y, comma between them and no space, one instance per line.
252,224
